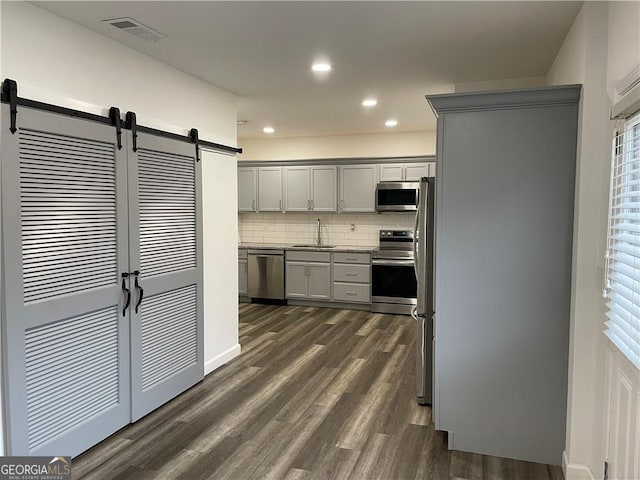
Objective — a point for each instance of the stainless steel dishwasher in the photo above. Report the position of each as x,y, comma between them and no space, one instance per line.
266,274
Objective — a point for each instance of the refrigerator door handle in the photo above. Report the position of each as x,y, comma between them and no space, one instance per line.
415,242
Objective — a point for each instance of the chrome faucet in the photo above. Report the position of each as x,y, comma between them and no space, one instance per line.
319,240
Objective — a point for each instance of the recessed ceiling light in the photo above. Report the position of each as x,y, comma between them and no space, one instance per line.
391,123
321,67
242,122
369,102
268,130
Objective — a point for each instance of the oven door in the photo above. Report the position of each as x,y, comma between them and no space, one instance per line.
393,281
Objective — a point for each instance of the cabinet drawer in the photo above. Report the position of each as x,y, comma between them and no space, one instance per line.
344,272
352,292
242,253
341,257
308,256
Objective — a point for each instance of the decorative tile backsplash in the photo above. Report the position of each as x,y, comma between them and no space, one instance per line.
337,229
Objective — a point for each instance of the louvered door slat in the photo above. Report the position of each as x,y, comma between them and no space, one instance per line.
167,330
36,182
167,333
167,194
65,244
45,418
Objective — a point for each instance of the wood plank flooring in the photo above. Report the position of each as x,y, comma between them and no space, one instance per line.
316,394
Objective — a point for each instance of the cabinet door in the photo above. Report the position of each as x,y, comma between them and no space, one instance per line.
296,278
319,278
324,189
392,172
242,277
296,189
65,246
247,190
270,189
358,188
413,172
165,241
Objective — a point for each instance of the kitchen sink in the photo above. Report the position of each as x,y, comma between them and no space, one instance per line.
313,245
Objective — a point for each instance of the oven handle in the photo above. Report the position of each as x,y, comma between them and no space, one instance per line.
378,261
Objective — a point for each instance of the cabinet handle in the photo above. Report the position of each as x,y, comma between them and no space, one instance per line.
127,294
312,205
280,204
351,294
308,204
351,274
253,205
139,289
352,259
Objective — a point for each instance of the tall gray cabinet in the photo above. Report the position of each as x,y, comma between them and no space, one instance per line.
102,257
504,223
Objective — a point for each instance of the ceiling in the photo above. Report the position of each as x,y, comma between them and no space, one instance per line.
394,51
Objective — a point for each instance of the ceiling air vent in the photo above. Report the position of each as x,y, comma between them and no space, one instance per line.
134,27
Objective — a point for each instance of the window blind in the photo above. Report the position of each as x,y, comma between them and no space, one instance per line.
623,242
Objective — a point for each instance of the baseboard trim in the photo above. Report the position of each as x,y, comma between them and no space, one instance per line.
575,471
219,360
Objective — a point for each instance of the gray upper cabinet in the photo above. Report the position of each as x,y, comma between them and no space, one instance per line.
357,188
504,225
324,188
404,172
247,189
310,189
413,172
297,194
270,189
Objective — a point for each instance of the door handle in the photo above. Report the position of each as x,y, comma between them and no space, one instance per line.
139,289
127,294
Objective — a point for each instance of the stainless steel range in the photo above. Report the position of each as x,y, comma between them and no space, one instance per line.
393,284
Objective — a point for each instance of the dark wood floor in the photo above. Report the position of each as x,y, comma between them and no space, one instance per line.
316,394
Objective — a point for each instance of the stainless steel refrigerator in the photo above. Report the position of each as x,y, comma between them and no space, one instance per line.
423,240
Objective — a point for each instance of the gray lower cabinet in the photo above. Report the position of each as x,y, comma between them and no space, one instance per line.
243,288
308,275
352,277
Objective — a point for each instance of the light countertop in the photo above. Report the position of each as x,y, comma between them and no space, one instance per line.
290,246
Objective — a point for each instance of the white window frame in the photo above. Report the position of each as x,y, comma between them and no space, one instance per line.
622,289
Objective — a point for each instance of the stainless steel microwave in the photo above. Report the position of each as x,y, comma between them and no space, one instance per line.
397,196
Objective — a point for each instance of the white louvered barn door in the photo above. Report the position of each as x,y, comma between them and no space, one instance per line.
66,341
165,247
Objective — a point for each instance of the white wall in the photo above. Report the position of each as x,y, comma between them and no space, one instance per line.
502,84
601,48
56,61
401,144
219,204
